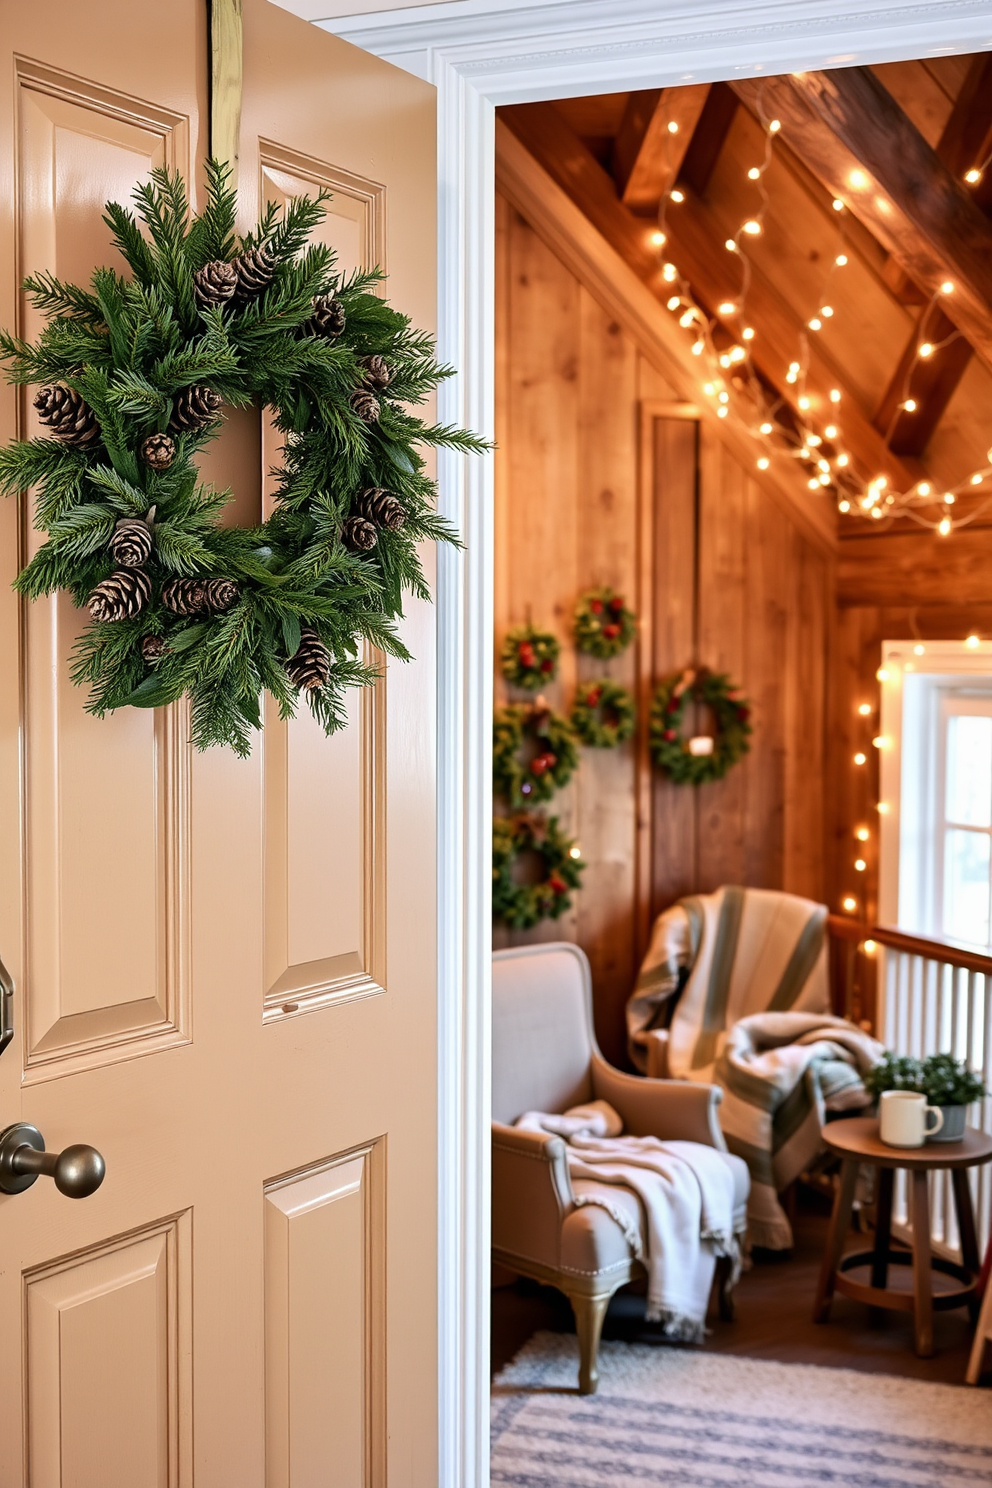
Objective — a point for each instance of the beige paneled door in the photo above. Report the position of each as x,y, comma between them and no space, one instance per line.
224,970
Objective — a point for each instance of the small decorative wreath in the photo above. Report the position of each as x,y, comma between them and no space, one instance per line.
731,714
603,714
521,906
603,625
133,374
552,765
529,657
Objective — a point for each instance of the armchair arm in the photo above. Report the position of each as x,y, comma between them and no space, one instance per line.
679,1110
532,1194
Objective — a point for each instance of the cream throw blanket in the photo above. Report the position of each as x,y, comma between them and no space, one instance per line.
754,1018
687,1194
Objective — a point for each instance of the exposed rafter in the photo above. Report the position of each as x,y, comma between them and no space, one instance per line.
966,140
609,275
854,136
648,152
694,246
708,140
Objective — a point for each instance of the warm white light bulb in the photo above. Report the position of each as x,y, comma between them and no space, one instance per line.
843,461
698,348
831,431
669,273
850,904
727,308
924,488
835,395
918,650
754,174
882,675
824,465
860,758
724,397
844,506
841,260
721,411
976,480
838,204
676,196
748,333
910,405
860,865
775,126
658,238
673,128
971,642
926,349
864,709
766,427
944,526
973,176
880,741
816,324
730,246
764,463
947,287
858,180
752,228
687,318
814,484
803,403
675,302
709,389
724,360
814,440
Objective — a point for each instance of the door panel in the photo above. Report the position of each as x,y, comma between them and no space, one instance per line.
224,969
323,1325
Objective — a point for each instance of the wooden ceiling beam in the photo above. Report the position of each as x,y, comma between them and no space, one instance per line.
854,136
932,382
695,246
606,273
647,152
708,140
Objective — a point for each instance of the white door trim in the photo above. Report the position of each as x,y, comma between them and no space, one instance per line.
481,53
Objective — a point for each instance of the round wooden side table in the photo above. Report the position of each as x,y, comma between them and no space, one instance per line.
857,1141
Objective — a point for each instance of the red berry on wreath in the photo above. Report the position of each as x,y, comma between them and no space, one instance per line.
593,696
743,714
670,734
557,884
672,706
616,604
547,665
526,653
611,631
596,605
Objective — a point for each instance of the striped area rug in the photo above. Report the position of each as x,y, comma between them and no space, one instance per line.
696,1420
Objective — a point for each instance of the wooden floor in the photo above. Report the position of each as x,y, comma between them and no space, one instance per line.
774,1306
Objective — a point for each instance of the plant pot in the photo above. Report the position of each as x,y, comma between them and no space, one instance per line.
954,1124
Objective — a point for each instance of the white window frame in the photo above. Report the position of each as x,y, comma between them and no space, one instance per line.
480,54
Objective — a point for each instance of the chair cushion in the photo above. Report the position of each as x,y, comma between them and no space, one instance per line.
593,1244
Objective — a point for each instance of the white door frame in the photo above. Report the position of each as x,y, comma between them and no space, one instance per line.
482,53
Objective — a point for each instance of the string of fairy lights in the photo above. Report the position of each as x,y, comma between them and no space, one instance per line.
791,427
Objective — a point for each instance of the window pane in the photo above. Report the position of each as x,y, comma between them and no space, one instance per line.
969,770
966,886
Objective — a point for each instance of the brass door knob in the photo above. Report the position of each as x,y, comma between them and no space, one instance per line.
78,1171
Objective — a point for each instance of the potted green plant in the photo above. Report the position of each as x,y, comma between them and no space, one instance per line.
949,1083
945,1081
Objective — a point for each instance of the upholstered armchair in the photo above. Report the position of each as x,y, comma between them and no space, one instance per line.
545,1058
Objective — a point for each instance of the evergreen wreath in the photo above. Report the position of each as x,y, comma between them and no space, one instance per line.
521,906
529,657
603,714
552,765
133,374
603,624
731,715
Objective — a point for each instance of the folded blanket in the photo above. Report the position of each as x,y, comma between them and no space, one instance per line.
687,1194
781,1073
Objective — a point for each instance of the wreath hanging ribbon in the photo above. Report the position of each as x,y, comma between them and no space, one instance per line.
731,715
529,657
133,375
521,906
551,766
603,624
603,714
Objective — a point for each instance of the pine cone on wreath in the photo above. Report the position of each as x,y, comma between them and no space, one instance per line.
377,371
194,408
131,542
380,507
310,665
153,648
199,596
158,451
366,405
328,317
69,418
121,596
359,535
254,269
214,284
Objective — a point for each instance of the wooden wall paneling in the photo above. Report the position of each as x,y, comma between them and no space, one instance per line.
504,215
671,440
915,568
606,553
722,604
768,556
810,647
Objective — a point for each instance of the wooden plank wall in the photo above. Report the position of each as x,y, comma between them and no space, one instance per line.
604,478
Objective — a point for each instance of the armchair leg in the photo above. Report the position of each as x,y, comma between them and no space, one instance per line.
589,1314
726,1306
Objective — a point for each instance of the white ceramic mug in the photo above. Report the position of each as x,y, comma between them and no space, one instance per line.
902,1118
